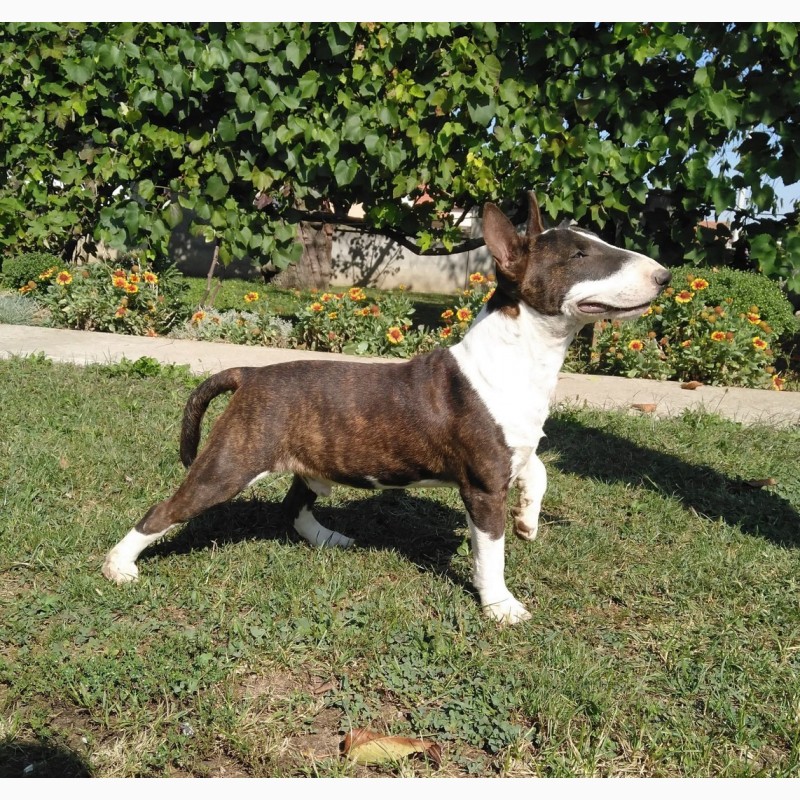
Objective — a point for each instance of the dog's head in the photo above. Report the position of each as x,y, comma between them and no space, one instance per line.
567,271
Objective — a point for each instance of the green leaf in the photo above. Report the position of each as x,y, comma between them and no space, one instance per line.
216,188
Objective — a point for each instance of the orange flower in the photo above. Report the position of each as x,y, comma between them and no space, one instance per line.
251,297
198,316
684,296
131,288
375,310
395,335
445,332
759,343
636,345
488,295
447,314
718,336
754,318
477,277
120,273
121,312
150,277
686,343
332,315
316,307
119,282
47,273
463,315
356,294
326,298
777,382
698,284
63,278
648,312
27,288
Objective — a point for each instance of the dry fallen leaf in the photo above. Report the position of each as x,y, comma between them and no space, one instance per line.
370,747
327,686
757,484
691,385
647,408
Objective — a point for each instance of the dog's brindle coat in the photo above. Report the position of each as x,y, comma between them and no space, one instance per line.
470,416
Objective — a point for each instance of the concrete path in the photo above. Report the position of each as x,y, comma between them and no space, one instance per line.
779,409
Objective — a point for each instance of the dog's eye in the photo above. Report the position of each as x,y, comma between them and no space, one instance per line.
578,254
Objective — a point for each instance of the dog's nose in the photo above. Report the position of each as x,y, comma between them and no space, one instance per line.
662,277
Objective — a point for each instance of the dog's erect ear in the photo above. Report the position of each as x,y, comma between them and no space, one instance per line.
535,226
501,238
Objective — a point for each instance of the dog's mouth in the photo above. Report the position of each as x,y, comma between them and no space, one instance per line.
604,310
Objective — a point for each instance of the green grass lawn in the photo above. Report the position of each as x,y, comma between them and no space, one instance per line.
665,638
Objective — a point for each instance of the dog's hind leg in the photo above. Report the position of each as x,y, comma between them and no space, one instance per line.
210,481
486,518
298,502
532,485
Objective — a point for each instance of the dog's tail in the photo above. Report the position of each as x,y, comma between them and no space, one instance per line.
228,380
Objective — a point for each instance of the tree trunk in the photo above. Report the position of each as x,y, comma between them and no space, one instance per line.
314,270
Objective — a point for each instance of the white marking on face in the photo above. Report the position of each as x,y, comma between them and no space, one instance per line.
627,292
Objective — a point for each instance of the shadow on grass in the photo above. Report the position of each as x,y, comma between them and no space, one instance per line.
421,529
592,453
40,760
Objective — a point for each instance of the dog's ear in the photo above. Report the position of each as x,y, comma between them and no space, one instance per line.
535,226
501,238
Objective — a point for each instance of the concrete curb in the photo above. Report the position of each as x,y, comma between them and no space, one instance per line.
748,406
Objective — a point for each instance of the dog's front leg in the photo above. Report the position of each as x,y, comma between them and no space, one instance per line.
486,518
532,484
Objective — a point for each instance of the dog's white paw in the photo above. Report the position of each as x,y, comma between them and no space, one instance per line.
334,539
525,530
508,612
118,570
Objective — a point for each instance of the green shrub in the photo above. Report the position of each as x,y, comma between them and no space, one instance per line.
18,310
744,290
255,327
105,297
26,270
348,322
686,336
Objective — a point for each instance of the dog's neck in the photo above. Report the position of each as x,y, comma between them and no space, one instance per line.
513,362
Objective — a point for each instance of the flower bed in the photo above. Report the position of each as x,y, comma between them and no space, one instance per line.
694,331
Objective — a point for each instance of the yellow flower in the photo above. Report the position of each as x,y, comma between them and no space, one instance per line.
477,277
718,336
445,332
63,278
447,314
326,298
316,307
648,312
27,288
684,297
131,288
686,343
698,284
47,273
777,382
754,318
332,315
198,316
150,277
119,282
134,278
395,335
121,312
759,343
251,297
636,345
463,315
